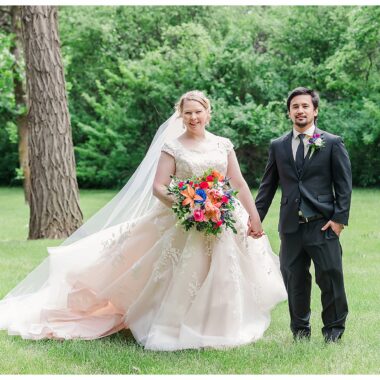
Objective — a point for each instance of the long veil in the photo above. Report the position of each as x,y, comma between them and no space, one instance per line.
134,200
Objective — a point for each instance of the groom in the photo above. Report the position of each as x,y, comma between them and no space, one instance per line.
314,172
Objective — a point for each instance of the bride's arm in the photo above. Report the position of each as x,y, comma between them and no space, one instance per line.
165,168
238,182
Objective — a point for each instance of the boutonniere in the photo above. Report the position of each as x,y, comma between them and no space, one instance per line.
315,142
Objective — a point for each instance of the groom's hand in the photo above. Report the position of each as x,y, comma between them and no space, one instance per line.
336,227
255,234
255,230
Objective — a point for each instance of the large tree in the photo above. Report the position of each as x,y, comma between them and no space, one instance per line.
54,201
19,93
10,22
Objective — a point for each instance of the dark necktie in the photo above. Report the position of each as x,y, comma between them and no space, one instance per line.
300,154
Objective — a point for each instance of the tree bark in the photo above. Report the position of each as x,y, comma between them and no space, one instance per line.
54,198
20,99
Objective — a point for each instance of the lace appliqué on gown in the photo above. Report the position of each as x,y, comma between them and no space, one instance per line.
169,256
190,162
113,246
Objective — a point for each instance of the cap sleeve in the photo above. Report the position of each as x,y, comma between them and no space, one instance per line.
169,148
227,144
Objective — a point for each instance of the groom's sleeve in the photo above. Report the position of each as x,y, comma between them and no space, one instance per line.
342,180
268,185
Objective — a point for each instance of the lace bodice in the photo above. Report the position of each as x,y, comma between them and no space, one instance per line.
191,162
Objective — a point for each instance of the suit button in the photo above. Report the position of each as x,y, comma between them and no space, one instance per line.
296,200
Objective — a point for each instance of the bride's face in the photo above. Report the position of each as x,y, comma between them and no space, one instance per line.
195,116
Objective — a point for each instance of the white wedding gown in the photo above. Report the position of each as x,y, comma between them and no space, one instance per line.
173,289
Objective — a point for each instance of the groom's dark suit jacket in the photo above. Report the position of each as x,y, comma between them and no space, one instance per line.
325,182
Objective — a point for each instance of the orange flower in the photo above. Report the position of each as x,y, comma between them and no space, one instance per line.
190,196
216,174
214,196
212,212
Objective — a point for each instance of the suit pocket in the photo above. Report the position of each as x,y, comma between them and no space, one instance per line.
284,200
325,198
330,234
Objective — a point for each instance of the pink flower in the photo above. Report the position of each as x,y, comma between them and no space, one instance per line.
210,178
225,199
219,223
204,185
181,184
199,215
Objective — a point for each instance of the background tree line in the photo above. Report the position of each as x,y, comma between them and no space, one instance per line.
125,66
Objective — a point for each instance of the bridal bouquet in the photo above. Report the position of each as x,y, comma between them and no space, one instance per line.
204,202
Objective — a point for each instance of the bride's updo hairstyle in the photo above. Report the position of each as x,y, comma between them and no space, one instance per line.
197,96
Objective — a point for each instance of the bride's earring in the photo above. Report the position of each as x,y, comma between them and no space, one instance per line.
183,125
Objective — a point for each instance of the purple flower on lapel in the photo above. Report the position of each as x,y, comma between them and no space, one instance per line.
315,142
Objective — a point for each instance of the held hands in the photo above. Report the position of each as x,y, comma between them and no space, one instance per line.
336,227
255,229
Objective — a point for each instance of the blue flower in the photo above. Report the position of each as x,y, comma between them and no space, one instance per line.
202,194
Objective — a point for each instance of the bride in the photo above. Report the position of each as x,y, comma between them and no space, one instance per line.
132,267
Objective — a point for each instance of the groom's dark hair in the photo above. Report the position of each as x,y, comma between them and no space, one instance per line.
304,91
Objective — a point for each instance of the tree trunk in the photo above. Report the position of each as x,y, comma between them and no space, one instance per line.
20,99
54,199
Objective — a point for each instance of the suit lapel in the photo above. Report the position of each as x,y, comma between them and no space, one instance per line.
289,151
309,159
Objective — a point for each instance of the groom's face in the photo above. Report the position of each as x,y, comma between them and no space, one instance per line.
302,112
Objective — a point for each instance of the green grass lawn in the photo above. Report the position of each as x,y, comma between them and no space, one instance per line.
358,353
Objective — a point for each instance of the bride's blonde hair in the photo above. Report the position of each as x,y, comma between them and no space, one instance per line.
197,96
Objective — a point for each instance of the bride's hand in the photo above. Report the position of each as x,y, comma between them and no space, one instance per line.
255,229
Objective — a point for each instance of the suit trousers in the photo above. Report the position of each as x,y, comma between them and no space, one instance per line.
296,252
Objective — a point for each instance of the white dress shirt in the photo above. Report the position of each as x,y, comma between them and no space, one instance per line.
296,141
